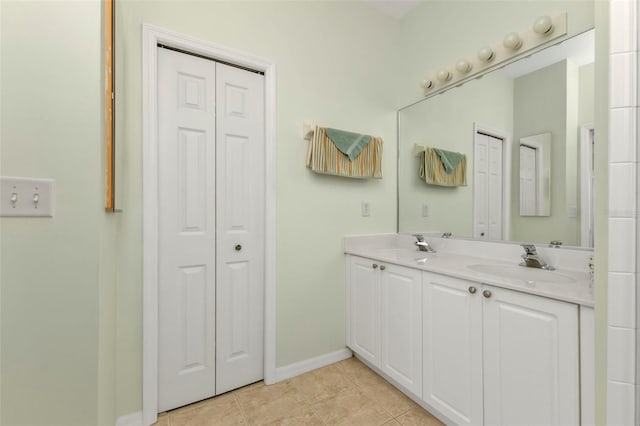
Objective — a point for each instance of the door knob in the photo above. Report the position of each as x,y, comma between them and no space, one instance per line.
472,290
486,294
375,266
238,247
382,267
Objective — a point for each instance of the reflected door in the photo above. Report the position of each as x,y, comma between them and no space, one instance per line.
487,193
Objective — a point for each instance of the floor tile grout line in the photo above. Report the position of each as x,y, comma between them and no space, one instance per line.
245,419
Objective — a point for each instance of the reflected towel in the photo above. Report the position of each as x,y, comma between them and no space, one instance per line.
324,157
450,159
433,172
350,144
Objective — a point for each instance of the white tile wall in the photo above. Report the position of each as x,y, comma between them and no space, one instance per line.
622,124
620,404
622,348
623,14
621,368
622,176
622,244
622,294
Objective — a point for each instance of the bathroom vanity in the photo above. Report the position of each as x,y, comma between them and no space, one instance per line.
471,335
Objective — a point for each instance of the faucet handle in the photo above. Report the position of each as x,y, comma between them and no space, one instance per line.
419,237
529,249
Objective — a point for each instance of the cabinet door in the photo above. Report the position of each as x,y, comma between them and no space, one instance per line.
364,309
531,360
402,326
452,347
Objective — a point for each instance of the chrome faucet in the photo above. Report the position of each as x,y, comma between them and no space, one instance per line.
532,259
422,244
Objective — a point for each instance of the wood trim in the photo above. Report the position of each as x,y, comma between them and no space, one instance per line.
109,6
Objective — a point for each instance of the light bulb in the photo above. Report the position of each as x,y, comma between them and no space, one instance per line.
486,54
443,75
543,25
512,41
427,84
463,66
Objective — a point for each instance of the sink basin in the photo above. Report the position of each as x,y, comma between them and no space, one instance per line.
405,254
522,273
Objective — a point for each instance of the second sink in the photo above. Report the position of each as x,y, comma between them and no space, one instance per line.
522,273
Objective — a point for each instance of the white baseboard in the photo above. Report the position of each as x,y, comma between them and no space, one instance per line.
301,367
133,419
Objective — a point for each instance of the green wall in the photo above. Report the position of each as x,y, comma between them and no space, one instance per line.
542,106
71,301
446,122
332,67
55,272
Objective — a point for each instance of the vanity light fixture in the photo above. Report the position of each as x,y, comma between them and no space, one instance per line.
545,29
543,25
486,54
463,66
512,41
443,75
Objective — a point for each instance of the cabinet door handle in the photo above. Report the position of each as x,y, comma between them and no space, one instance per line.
472,290
486,294
382,267
238,247
375,266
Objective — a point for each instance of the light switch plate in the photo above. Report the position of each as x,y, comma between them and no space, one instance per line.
365,209
26,197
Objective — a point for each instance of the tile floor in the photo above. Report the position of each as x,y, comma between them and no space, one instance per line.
345,393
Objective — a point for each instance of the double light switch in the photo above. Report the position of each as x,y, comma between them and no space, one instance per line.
26,197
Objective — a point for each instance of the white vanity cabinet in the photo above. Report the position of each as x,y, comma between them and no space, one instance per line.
385,319
452,347
531,360
499,357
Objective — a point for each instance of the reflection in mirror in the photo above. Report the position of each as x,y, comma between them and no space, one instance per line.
539,193
535,175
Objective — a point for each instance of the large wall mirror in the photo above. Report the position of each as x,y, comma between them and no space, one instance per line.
527,133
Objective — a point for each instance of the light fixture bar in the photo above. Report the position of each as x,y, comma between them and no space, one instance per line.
514,45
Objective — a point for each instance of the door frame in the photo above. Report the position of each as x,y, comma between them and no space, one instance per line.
586,154
151,37
506,176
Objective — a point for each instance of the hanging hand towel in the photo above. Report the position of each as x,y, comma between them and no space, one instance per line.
325,157
433,170
350,144
450,159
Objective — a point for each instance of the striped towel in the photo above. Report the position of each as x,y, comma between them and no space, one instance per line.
433,172
324,157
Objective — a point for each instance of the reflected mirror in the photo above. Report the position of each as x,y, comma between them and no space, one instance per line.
526,133
535,175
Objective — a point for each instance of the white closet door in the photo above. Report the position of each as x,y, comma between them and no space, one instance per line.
186,217
240,227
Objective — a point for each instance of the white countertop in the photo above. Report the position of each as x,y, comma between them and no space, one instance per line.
575,289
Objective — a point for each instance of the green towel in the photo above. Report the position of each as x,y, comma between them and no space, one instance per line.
450,160
350,144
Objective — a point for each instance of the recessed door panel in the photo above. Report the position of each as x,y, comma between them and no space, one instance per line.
192,175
